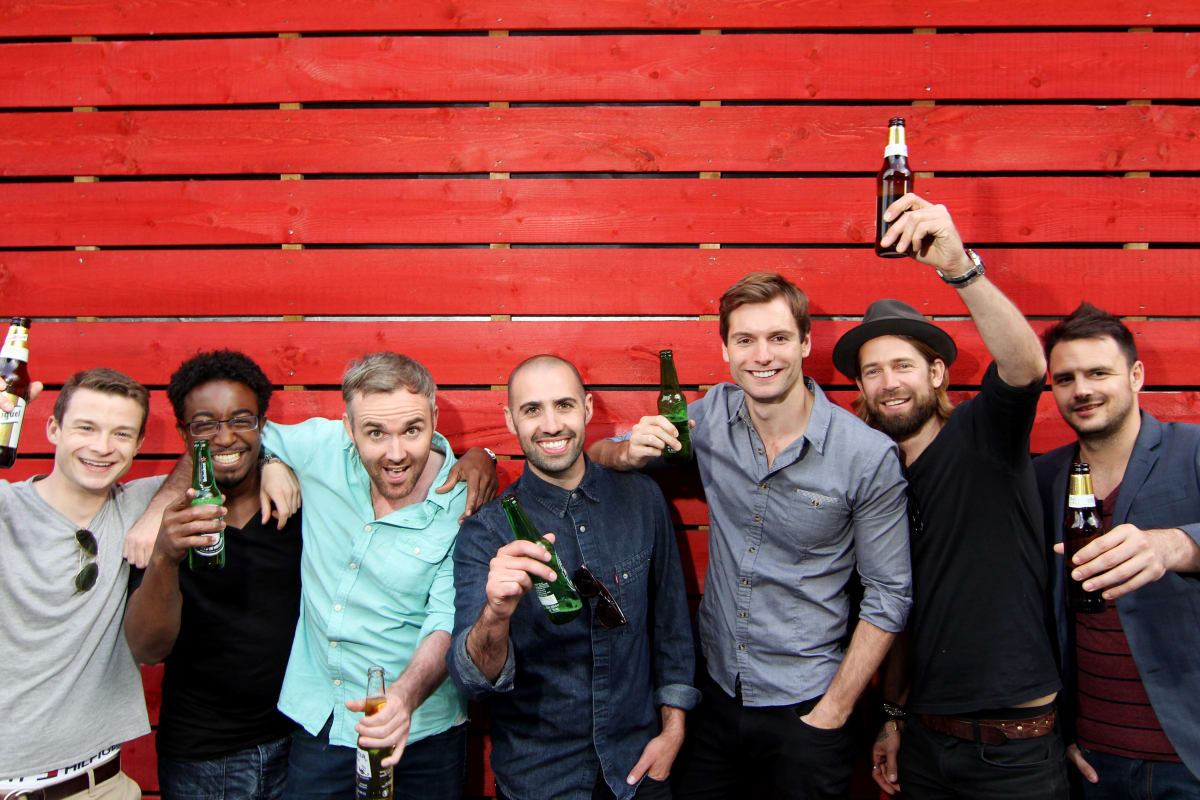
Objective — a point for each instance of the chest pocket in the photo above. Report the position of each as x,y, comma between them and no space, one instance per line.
818,521
405,563
630,587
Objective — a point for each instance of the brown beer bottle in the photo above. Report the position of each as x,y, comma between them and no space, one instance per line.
892,182
372,781
14,369
1081,525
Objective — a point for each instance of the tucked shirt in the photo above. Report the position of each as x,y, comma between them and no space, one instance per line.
71,687
578,697
784,539
371,589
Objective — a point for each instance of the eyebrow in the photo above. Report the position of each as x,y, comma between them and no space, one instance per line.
240,412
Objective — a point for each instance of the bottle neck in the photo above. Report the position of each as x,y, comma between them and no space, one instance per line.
666,374
16,344
1080,494
896,145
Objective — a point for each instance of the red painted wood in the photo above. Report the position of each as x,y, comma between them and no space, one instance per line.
688,281
753,210
582,139
105,17
482,353
807,67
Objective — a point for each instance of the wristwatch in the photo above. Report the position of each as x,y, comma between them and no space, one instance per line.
490,453
970,276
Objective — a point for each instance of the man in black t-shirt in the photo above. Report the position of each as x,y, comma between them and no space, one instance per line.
225,634
973,684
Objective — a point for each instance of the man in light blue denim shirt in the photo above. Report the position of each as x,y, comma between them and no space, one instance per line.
592,708
801,494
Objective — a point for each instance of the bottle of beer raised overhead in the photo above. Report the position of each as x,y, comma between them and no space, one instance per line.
14,369
207,494
372,781
1081,524
558,598
672,406
894,180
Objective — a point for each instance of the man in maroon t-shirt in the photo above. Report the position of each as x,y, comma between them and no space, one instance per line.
1136,665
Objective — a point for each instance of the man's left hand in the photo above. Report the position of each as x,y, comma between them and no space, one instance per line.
479,471
657,757
387,727
1127,558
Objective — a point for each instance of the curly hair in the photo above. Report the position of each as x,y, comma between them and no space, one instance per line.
218,365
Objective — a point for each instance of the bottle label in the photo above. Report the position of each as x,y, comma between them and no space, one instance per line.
1081,501
362,764
546,597
10,422
211,550
895,150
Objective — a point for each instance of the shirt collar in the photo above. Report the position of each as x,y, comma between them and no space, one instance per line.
555,499
819,415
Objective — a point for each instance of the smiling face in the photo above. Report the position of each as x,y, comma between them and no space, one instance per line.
549,411
765,350
96,440
393,433
235,453
1095,386
898,386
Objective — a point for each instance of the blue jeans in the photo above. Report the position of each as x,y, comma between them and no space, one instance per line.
434,768
256,773
1134,779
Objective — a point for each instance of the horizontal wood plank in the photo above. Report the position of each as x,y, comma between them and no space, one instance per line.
599,139
164,17
688,281
805,67
750,210
479,353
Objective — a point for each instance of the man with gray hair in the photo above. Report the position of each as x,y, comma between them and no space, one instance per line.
377,583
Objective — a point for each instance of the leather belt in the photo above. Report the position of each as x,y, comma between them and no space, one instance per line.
74,785
991,731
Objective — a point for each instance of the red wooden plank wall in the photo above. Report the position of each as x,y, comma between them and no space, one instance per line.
308,181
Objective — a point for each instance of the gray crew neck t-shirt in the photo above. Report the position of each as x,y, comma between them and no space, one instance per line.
69,687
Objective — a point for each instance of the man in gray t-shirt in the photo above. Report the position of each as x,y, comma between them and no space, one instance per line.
71,693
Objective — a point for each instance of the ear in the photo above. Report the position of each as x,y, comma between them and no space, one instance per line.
349,427
182,431
138,447
937,373
725,352
52,430
806,345
508,420
1137,376
858,383
587,408
433,418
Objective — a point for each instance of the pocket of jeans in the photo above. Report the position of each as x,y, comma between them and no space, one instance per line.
825,733
1018,753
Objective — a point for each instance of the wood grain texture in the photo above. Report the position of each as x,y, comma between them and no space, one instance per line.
105,17
751,210
807,67
687,281
596,139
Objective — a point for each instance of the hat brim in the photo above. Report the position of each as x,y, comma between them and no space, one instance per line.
845,352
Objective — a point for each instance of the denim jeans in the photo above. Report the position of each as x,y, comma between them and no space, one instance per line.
935,766
1134,779
434,768
256,773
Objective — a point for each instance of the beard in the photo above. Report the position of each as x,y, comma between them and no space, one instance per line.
1119,409
901,427
553,465
394,491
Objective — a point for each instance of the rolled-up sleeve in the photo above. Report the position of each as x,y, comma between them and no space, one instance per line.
473,552
881,546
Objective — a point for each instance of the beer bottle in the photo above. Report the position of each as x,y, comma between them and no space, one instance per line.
892,182
558,598
207,494
1081,524
14,369
372,781
672,406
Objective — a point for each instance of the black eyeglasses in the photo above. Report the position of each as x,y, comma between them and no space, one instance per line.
88,572
608,612
916,523
208,428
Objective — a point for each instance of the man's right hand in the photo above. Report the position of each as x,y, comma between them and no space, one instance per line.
883,757
648,439
185,526
509,574
6,405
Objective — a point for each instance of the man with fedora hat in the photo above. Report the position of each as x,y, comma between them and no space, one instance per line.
972,688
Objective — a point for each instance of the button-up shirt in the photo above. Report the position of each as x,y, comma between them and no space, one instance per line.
784,538
371,589
577,697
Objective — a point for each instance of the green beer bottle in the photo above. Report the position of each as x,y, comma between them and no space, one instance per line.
207,494
559,599
672,406
372,781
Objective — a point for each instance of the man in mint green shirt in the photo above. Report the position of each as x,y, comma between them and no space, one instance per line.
377,584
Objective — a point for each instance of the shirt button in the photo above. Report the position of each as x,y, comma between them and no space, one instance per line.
760,451
353,565
416,551
741,613
757,518
625,576
338,607
582,528
741,647
337,682
745,581
333,644
753,549
367,528
762,486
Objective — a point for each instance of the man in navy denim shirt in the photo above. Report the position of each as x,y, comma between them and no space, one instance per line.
579,710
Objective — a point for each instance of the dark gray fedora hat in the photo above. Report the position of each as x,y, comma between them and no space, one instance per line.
890,318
